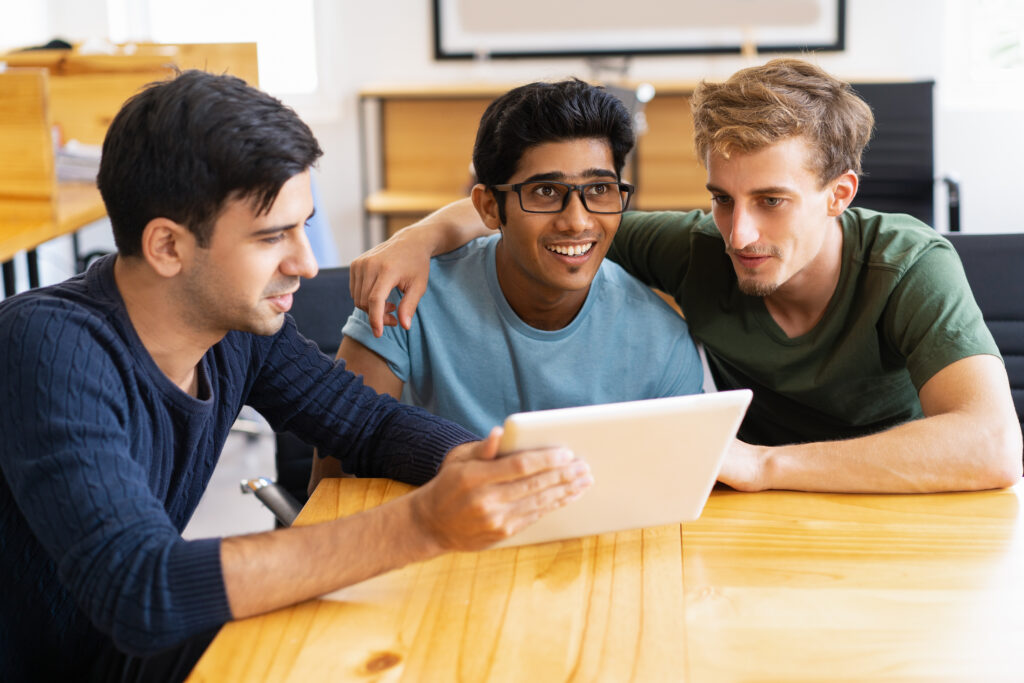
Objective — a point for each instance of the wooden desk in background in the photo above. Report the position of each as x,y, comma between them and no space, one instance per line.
417,145
773,586
78,95
77,204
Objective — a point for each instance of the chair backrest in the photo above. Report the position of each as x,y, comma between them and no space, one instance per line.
320,308
995,270
898,164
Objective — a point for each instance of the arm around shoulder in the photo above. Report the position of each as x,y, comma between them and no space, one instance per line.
403,261
654,247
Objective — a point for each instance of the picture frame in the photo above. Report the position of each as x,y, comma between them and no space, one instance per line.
471,29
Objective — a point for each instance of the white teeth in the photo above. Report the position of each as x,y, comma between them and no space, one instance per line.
573,250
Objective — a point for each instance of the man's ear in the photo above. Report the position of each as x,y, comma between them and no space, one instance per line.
487,206
842,191
167,246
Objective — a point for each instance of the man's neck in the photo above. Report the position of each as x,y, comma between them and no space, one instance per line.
800,303
539,307
160,322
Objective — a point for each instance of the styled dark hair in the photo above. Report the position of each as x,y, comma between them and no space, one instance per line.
181,148
537,113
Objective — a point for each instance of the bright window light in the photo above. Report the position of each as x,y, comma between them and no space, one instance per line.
985,56
284,32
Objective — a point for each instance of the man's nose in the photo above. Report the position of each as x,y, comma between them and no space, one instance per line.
575,217
743,231
301,261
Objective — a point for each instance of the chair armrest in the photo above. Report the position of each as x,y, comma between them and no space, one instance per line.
275,497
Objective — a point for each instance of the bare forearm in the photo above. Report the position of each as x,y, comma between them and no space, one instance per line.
474,501
267,571
449,227
949,452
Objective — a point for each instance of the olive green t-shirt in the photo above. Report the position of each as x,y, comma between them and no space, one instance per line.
901,312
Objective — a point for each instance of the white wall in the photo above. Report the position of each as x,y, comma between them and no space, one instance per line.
372,43
885,40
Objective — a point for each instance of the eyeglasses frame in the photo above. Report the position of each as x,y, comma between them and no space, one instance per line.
577,188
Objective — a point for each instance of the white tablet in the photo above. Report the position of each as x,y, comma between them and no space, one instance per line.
654,462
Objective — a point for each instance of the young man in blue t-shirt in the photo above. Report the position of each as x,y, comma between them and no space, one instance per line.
534,317
871,365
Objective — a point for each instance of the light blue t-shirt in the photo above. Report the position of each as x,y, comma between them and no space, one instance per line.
471,359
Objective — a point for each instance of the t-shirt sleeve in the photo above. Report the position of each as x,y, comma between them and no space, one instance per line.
932,318
67,458
301,390
654,247
392,345
684,373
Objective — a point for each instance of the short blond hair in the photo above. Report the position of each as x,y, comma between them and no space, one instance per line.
761,105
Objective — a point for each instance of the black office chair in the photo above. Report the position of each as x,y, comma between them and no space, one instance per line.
899,162
995,269
320,308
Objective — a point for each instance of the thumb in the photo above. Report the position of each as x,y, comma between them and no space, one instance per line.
488,449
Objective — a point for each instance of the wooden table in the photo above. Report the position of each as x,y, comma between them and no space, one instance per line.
773,586
77,204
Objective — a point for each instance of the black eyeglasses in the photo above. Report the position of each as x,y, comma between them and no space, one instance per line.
549,196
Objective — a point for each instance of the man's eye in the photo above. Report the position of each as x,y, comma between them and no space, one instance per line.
721,199
772,201
545,191
598,189
274,239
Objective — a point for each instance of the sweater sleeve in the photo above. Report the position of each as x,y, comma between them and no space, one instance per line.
68,460
301,390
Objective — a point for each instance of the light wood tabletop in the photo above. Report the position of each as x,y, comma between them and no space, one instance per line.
773,586
77,204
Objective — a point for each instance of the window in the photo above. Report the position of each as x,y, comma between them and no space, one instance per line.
284,32
985,60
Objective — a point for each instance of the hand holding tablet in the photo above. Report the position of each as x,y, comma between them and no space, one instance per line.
653,462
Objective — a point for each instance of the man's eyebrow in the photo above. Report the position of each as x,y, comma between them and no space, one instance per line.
560,176
776,189
280,228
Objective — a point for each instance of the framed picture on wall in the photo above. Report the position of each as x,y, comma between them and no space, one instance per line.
466,29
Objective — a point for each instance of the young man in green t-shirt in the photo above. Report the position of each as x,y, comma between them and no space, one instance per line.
871,365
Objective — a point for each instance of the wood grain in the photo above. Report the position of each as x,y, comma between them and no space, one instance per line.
77,96
25,143
772,586
427,134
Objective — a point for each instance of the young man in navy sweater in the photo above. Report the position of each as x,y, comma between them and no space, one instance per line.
120,385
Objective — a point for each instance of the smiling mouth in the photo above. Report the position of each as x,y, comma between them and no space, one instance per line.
571,249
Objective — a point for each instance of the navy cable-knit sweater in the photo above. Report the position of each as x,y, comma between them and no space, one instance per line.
103,460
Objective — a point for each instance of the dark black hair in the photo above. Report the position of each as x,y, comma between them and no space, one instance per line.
181,148
537,113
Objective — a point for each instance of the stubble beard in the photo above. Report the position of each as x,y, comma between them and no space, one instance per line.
755,288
